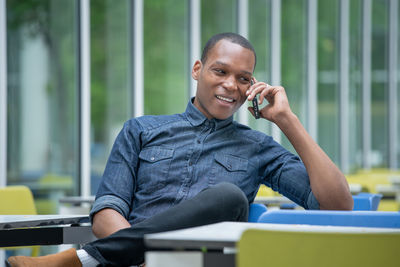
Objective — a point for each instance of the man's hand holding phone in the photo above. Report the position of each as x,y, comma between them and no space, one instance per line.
278,104
256,111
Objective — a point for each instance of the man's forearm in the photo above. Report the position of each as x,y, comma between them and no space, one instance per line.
108,221
328,184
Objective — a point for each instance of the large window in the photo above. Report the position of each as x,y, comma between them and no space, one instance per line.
398,90
42,99
294,46
110,79
166,85
379,84
259,36
355,86
216,17
43,91
328,78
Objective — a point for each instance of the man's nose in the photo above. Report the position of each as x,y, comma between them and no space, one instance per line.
230,83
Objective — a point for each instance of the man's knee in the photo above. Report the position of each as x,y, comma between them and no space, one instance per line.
231,192
232,198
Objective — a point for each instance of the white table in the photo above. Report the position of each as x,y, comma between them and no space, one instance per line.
219,241
28,230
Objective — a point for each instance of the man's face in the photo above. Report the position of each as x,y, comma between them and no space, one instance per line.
222,81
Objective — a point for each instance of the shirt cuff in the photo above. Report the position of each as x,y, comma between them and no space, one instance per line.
109,201
312,202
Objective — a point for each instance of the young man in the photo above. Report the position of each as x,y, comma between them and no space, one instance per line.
200,167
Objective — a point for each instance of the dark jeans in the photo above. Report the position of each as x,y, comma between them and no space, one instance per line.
222,202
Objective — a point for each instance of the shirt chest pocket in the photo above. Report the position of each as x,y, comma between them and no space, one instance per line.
229,168
154,167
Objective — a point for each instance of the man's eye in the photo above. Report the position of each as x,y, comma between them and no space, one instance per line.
219,71
244,80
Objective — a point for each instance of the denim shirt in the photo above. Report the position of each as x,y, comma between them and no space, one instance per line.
158,161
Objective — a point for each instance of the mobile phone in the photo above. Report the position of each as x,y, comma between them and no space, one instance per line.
255,104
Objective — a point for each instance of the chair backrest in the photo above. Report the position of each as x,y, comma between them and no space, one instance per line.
258,248
382,219
16,200
255,211
362,201
366,201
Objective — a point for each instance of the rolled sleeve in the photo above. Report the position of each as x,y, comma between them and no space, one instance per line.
117,187
112,202
293,182
285,172
312,202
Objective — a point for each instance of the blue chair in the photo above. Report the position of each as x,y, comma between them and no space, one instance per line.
366,201
382,219
255,211
362,201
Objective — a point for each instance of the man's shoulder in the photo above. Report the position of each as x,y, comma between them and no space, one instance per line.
246,132
148,122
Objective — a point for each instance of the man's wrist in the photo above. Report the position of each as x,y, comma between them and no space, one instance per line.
286,120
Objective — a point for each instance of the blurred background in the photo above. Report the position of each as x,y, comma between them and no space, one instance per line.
75,71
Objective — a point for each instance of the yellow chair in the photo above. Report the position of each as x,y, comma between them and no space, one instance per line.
370,180
265,191
18,200
258,248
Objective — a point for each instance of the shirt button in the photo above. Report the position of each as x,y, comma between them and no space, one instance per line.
198,141
152,158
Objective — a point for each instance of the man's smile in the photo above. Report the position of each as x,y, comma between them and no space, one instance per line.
226,99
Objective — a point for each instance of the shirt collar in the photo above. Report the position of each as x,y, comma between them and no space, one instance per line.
196,117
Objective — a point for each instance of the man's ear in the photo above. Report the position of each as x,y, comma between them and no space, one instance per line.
196,69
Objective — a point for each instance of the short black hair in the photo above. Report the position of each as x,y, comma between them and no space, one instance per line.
231,37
